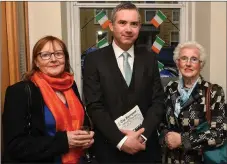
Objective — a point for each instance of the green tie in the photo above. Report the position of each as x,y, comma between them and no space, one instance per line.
127,68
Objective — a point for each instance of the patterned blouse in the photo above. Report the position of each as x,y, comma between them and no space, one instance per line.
192,114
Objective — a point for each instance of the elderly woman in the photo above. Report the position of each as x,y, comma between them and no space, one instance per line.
43,114
186,109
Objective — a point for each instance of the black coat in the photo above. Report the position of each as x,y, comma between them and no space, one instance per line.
24,143
108,97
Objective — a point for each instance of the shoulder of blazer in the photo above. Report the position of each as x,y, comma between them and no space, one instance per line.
98,57
144,50
100,52
146,55
20,86
19,90
75,89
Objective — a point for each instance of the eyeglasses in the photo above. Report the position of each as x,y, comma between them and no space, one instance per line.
47,55
194,60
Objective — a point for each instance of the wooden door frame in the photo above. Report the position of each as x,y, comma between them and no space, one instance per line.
25,4
4,57
10,44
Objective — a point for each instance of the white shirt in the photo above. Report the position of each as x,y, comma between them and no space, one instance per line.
119,57
118,54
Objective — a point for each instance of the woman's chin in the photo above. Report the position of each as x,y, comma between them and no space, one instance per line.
56,75
189,76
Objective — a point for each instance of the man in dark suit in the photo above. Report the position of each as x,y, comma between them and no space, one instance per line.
116,79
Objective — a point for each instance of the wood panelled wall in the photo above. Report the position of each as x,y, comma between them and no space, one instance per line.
10,62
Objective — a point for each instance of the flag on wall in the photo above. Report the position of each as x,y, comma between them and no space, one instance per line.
102,19
102,43
157,45
160,66
158,19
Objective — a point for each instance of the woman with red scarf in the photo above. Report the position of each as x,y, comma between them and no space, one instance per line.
43,114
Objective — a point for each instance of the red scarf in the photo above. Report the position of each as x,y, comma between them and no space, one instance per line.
66,119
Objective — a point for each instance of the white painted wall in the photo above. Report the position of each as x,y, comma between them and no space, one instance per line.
44,19
210,31
202,32
218,44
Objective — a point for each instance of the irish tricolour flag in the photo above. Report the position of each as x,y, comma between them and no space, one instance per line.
158,19
102,43
157,45
160,66
102,19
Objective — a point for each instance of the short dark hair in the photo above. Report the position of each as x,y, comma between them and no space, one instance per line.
123,6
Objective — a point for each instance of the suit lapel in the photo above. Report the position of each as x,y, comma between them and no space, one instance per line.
114,69
137,74
138,69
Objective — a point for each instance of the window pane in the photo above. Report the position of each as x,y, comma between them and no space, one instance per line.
176,15
149,14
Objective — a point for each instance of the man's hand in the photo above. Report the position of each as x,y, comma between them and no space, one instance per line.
173,140
133,145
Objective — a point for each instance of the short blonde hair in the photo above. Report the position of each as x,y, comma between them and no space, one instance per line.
190,44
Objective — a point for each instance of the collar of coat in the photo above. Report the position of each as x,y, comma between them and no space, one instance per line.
197,93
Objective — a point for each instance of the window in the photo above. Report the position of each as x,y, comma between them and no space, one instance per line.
149,14
176,16
174,38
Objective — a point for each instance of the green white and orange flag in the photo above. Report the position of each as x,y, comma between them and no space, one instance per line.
158,19
157,45
102,19
102,43
160,66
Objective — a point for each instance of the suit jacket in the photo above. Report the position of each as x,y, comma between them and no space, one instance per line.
24,130
108,97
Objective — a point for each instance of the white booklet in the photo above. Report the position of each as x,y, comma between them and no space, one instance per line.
132,120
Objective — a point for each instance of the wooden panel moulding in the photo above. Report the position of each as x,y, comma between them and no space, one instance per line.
12,39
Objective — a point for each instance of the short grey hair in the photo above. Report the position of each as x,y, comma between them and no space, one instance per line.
123,6
190,44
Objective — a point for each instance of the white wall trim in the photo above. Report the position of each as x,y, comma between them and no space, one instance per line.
73,28
139,5
192,30
184,22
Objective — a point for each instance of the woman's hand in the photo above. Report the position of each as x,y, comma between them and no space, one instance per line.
173,140
80,138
